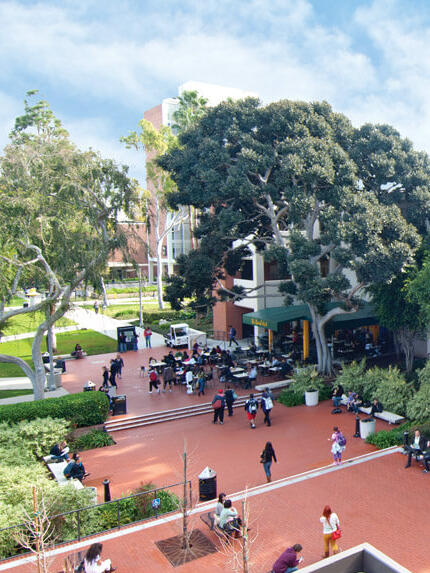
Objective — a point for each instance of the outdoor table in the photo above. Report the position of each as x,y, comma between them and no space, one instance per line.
245,348
261,352
275,369
240,375
207,354
178,358
158,364
264,366
236,370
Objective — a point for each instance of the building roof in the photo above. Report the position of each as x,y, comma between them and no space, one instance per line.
273,318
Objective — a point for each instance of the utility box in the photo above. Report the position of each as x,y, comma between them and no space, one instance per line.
119,405
207,484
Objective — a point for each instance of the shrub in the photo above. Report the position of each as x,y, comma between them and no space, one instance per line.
290,398
305,380
351,377
418,408
386,438
36,436
94,439
391,389
83,409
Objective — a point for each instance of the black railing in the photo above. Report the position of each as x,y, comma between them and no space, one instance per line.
94,519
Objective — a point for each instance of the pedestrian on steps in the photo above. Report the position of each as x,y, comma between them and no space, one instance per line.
267,456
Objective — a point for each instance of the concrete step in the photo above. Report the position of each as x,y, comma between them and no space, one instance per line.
168,415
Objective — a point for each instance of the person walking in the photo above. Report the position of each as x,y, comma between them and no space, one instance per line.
338,445
147,333
232,335
113,373
168,378
266,404
201,381
289,560
119,365
96,306
331,530
267,456
230,397
251,407
105,371
218,405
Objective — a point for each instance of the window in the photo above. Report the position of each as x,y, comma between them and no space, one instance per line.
271,272
324,266
247,273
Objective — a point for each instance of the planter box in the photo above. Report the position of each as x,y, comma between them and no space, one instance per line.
311,398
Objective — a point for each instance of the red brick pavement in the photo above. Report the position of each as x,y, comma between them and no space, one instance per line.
378,501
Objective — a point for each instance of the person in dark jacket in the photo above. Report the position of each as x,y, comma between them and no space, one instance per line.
337,395
119,365
289,560
266,404
417,447
218,404
59,452
105,377
266,458
75,469
376,407
113,373
229,399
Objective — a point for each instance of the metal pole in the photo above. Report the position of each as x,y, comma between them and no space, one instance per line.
106,483
117,515
139,275
78,520
357,427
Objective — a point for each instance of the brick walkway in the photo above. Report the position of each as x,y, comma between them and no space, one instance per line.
378,501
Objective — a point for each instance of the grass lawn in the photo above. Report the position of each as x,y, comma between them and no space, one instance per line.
92,342
29,323
126,311
13,393
16,301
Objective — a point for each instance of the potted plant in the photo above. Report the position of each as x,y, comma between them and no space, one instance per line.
306,380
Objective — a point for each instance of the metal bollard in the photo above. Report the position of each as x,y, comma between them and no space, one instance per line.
107,489
405,439
357,427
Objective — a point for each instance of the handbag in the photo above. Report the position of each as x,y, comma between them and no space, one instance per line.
336,534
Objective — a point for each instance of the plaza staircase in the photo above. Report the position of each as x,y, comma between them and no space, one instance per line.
169,415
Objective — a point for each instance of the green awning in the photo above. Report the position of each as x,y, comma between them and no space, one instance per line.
273,318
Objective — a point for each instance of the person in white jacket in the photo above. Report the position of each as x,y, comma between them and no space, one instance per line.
330,523
93,563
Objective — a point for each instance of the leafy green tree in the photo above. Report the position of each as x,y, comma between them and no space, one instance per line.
58,220
156,142
282,177
397,312
418,291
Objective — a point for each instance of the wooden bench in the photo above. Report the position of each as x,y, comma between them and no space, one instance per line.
389,417
274,385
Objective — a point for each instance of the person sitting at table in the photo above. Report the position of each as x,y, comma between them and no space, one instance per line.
286,367
275,362
213,351
78,352
169,359
185,356
179,355
417,447
252,377
376,407
218,349
152,361
252,348
196,347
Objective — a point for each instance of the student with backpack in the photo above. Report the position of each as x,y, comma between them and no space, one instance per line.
338,445
153,380
266,404
251,408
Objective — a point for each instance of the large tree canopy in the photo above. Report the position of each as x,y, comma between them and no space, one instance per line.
58,221
297,181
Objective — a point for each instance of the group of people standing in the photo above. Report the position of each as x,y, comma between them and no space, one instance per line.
227,398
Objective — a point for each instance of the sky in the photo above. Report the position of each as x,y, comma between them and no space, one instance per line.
101,64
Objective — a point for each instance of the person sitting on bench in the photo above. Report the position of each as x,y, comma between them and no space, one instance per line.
78,352
337,395
60,452
75,469
229,520
417,447
376,407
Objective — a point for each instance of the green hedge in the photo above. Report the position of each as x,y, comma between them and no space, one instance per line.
83,409
290,398
94,439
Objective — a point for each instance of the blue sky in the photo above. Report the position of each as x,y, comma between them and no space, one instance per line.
102,63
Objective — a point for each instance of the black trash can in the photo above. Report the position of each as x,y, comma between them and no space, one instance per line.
119,405
207,485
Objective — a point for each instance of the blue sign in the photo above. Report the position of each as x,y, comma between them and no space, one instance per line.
156,503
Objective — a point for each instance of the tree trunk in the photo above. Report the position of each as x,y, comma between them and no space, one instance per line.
325,360
39,369
406,341
160,275
105,298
